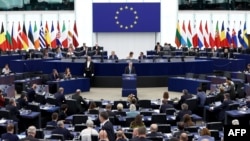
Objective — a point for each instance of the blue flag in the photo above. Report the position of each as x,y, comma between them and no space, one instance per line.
126,17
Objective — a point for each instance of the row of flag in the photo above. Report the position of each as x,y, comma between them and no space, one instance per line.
206,36
37,37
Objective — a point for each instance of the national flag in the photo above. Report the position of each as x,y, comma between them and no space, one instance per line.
53,36
31,38
200,36
58,34
8,41
245,38
211,36
36,37
64,38
14,37
70,35
195,36
189,35
178,35
47,35
217,36
183,35
75,36
41,37
228,36
223,39
19,40
206,36
24,38
234,38
2,39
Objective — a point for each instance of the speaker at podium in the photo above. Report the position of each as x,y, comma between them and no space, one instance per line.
129,84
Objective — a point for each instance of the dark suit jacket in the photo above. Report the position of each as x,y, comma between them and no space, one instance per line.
164,107
183,98
60,98
31,94
14,112
110,113
222,108
219,97
108,127
142,57
89,70
9,137
29,138
54,77
113,57
132,71
52,123
140,139
154,134
63,131
81,104
182,113
62,115
22,103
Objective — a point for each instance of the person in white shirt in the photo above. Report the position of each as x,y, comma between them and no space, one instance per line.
6,69
86,133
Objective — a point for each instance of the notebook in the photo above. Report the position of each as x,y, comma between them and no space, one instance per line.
217,103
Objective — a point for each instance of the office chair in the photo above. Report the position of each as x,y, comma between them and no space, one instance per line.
214,126
79,119
164,128
170,111
71,106
57,136
159,118
124,103
145,103
80,127
191,129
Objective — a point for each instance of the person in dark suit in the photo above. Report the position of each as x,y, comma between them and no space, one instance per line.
165,105
130,69
12,107
81,103
141,135
62,131
185,96
113,56
181,127
220,95
31,94
184,110
109,110
54,76
54,118
97,49
142,56
89,69
62,114
31,133
59,96
154,131
223,107
22,101
107,125
9,136
158,48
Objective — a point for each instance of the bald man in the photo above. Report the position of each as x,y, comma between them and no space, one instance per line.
154,131
183,137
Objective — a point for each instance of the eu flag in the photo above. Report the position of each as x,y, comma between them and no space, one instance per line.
126,17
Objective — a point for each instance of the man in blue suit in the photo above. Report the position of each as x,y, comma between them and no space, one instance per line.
59,96
53,122
107,125
223,107
62,131
10,136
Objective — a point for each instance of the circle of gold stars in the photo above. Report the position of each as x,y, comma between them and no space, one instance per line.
127,26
